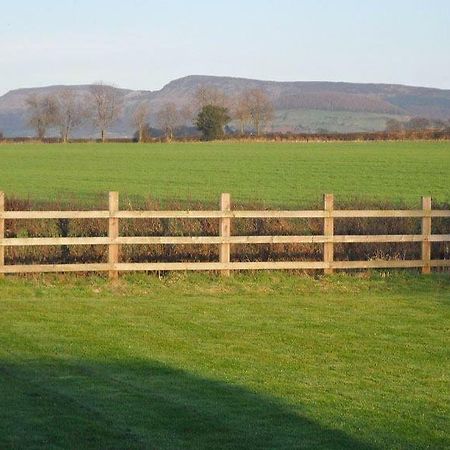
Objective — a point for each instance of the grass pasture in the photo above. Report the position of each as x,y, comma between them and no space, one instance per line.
287,174
310,120
256,361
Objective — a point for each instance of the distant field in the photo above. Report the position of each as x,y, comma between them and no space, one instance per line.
310,120
290,174
267,361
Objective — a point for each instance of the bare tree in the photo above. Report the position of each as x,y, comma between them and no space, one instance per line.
259,108
70,112
140,120
186,115
418,123
106,106
394,126
209,95
169,119
41,113
240,112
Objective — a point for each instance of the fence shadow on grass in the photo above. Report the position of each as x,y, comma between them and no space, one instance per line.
141,405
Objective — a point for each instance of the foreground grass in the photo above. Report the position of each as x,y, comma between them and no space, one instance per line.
287,174
257,361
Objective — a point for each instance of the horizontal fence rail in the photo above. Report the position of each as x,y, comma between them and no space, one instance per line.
337,214
224,240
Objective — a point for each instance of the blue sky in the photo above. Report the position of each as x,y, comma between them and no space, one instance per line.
144,44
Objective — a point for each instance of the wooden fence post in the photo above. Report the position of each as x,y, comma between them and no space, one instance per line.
113,234
426,233
328,231
225,231
2,233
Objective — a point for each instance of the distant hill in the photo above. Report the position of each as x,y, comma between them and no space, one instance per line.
300,106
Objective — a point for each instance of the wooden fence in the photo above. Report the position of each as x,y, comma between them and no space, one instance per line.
224,240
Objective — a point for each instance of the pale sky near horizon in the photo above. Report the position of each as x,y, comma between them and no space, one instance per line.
140,44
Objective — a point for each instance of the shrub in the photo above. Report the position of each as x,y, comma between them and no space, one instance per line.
211,121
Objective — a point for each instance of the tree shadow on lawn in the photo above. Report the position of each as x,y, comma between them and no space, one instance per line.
57,403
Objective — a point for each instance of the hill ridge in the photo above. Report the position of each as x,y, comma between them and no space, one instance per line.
300,106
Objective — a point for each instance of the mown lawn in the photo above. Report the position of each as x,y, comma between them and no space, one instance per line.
288,174
270,360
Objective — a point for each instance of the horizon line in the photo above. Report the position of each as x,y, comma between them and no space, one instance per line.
45,86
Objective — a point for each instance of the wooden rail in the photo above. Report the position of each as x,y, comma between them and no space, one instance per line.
224,240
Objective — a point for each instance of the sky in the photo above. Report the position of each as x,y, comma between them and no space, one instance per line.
141,44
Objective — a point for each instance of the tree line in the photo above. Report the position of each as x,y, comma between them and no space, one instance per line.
210,113
416,124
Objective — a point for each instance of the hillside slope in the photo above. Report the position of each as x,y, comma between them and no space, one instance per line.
300,105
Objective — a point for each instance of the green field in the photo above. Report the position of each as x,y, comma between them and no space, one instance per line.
256,361
310,120
290,174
